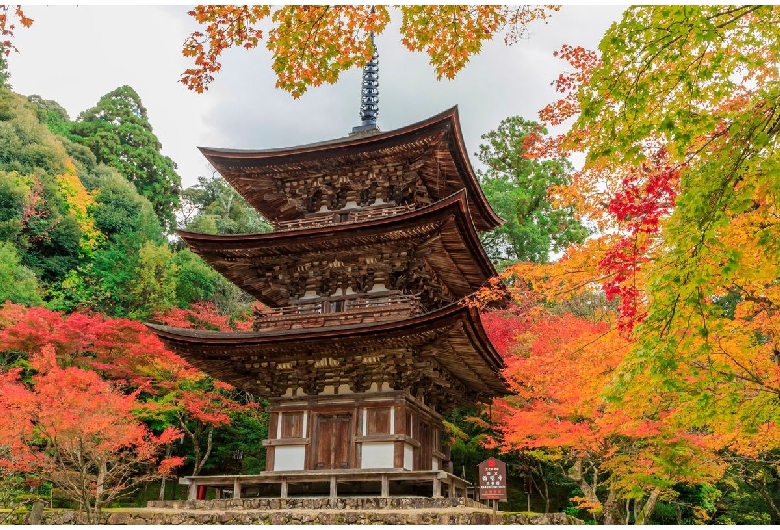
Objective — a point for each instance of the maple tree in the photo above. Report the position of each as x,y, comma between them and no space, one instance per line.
80,432
558,367
206,404
173,394
312,45
678,118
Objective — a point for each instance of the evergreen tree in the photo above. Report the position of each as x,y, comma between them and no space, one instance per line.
118,132
216,208
517,189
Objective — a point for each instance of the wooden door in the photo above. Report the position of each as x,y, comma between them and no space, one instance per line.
333,441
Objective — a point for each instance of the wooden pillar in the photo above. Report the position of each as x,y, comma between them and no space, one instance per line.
273,431
451,489
436,488
284,488
236,488
269,458
385,485
193,492
398,427
333,488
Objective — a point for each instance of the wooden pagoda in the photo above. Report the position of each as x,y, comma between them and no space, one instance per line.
365,342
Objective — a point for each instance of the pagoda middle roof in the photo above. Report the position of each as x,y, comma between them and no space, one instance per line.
437,142
445,229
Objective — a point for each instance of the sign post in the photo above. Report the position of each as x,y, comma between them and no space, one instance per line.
492,482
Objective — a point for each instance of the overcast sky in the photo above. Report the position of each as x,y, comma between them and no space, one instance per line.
75,55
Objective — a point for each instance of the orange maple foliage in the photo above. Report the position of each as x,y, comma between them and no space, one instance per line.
678,180
204,315
78,431
226,26
124,351
130,356
558,367
8,16
312,45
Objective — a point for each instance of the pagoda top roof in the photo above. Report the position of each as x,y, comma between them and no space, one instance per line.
436,144
453,335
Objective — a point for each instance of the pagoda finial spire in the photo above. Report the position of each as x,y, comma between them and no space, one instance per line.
369,93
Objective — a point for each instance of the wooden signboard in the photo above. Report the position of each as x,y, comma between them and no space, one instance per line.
492,480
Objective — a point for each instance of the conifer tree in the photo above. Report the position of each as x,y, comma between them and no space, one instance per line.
118,132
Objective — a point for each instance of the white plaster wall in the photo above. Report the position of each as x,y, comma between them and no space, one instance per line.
408,457
435,463
377,454
289,457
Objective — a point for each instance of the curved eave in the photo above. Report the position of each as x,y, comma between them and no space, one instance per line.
204,347
216,248
484,216
489,218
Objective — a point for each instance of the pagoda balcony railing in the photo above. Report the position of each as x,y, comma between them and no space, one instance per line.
341,311
342,217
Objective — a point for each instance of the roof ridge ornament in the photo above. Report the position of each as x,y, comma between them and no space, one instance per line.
369,94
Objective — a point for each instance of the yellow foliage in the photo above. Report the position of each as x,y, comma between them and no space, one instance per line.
79,203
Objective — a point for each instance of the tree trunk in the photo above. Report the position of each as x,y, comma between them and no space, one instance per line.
647,508
195,436
101,486
577,474
209,444
168,451
546,493
774,513
161,496
611,509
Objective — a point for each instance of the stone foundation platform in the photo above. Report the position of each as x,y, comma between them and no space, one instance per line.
297,511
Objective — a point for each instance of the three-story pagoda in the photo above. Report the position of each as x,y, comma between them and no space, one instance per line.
365,342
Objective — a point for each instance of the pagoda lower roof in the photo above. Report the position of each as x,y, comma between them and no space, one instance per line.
442,232
436,144
449,347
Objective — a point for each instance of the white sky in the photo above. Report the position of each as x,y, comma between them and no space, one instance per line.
75,55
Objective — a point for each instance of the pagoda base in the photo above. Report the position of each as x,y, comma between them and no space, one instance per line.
381,443
331,483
